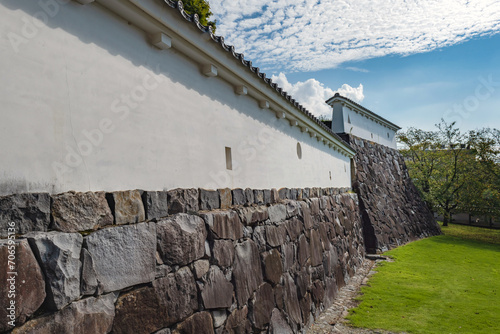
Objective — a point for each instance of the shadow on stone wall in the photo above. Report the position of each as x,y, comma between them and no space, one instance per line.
392,210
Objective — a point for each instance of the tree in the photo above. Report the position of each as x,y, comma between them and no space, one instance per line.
482,196
202,8
421,154
453,170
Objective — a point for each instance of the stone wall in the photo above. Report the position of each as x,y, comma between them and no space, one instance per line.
393,213
178,261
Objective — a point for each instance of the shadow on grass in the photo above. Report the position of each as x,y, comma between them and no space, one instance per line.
457,241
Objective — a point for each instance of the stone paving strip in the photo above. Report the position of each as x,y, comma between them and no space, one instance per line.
332,320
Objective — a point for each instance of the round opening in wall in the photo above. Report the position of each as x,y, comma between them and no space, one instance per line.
299,151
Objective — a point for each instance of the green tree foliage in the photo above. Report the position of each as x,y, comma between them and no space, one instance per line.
455,171
482,194
202,8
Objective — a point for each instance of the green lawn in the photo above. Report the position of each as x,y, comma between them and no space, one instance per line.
444,284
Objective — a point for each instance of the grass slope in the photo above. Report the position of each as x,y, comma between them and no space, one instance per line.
444,284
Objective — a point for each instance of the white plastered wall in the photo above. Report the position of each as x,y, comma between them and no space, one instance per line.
349,120
89,104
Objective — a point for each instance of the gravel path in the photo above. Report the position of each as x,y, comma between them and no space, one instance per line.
332,321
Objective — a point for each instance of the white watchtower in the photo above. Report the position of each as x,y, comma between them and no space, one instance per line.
352,118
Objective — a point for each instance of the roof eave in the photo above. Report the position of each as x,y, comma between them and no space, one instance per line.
340,98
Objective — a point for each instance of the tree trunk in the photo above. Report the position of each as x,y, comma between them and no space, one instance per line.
446,218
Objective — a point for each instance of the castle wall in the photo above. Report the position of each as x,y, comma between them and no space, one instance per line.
90,104
393,213
119,95
197,260
142,262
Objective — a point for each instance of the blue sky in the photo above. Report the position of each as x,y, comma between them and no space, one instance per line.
413,62
418,90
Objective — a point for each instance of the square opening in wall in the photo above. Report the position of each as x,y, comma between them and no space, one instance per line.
229,159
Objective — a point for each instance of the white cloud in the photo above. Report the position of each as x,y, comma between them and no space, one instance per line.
312,94
307,35
355,94
357,69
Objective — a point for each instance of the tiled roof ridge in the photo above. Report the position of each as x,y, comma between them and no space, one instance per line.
194,18
337,95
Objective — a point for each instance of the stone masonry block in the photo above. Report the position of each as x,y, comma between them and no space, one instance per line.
226,198
247,270
239,197
183,200
59,256
73,212
87,316
123,256
29,283
127,206
209,199
249,196
224,224
155,204
217,291
29,212
181,239
258,197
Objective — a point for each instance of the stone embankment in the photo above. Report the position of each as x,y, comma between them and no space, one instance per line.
178,261
393,213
